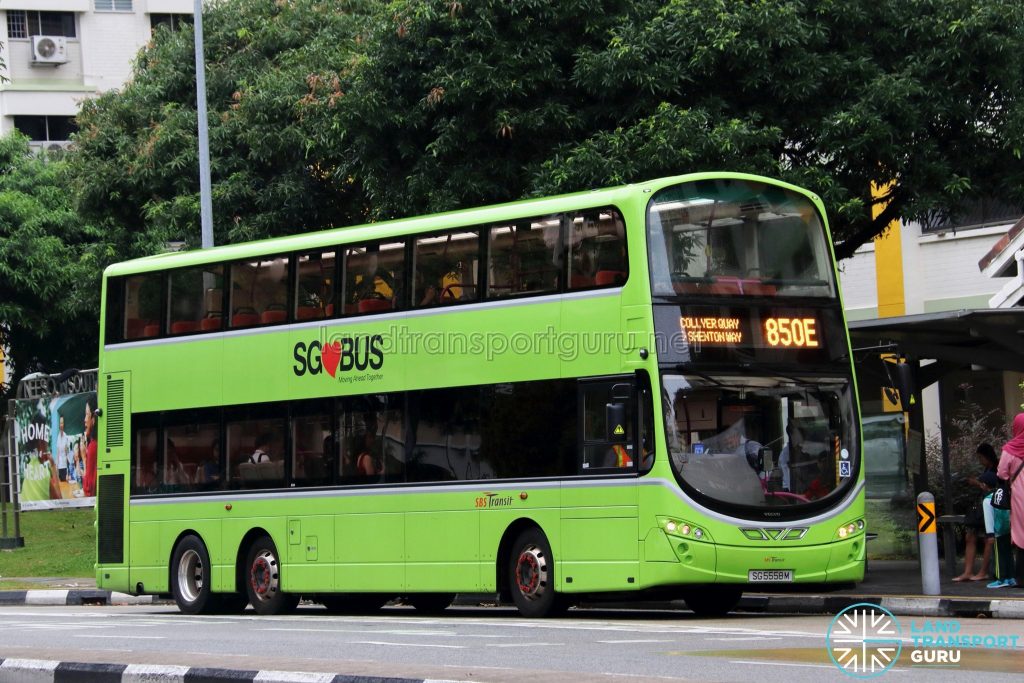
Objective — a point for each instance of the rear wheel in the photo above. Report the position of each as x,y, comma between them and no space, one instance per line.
531,576
263,579
713,601
190,577
431,603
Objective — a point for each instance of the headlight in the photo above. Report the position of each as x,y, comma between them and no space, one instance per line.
850,528
676,527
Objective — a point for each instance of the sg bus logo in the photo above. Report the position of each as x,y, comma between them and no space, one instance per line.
343,354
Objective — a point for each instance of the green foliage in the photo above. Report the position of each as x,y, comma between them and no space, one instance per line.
50,261
452,104
137,158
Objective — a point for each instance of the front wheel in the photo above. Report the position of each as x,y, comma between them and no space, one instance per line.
263,579
713,601
190,577
531,576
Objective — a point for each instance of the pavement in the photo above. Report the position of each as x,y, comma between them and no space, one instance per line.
894,585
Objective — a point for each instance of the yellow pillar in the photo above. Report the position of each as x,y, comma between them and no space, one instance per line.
888,264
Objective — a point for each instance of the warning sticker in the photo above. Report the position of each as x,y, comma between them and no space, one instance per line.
618,431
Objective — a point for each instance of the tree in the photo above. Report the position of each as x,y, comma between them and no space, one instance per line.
457,103
49,266
136,161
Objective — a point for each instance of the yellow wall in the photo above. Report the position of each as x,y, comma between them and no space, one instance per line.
888,265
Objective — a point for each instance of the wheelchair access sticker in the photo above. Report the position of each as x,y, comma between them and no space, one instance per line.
845,468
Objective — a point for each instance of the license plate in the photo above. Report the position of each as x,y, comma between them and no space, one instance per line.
770,575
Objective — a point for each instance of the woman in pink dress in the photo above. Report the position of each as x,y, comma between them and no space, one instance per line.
89,480
1009,465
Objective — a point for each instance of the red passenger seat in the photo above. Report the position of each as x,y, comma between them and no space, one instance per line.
374,305
609,277
274,315
184,326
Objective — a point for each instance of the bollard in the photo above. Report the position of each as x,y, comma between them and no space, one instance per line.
928,545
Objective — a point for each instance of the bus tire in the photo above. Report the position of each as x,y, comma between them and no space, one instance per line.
431,603
263,579
190,577
531,576
713,601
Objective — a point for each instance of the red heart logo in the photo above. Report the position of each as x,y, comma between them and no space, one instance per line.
331,355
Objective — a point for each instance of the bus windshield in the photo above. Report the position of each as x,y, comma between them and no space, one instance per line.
760,442
737,237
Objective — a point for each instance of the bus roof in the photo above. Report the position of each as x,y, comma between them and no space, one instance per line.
404,226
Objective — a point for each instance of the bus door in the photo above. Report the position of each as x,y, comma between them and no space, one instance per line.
599,506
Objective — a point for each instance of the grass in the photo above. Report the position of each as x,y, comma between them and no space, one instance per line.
58,543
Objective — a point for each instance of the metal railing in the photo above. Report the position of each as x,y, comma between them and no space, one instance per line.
10,519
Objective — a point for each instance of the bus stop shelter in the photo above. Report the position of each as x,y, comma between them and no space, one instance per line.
935,345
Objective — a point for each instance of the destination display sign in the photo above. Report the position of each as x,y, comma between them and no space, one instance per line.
775,333
782,331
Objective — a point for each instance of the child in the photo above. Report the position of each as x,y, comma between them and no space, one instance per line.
997,523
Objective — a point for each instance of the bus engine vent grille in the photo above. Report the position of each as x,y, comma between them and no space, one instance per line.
115,413
110,516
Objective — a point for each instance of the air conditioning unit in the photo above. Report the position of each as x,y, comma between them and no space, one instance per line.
49,50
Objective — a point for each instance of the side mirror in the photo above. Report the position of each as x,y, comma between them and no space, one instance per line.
615,422
906,385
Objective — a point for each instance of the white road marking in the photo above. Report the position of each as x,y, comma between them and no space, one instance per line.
627,642
762,663
382,642
98,635
758,638
520,644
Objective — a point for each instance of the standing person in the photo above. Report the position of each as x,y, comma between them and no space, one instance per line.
64,445
1010,465
975,520
89,480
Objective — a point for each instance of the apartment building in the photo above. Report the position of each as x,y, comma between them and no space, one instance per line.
57,53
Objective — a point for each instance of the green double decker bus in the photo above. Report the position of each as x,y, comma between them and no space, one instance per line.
642,390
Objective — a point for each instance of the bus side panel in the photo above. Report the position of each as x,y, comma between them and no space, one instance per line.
370,552
310,552
147,565
600,544
442,549
543,511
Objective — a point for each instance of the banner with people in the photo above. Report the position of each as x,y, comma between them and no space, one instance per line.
55,447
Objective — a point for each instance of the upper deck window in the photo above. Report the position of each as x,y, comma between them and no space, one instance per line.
315,285
597,249
524,257
737,237
374,277
142,297
196,299
446,268
259,292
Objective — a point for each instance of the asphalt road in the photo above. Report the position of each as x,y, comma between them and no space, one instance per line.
481,644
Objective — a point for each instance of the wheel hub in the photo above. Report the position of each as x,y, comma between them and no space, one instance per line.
532,573
263,576
190,575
